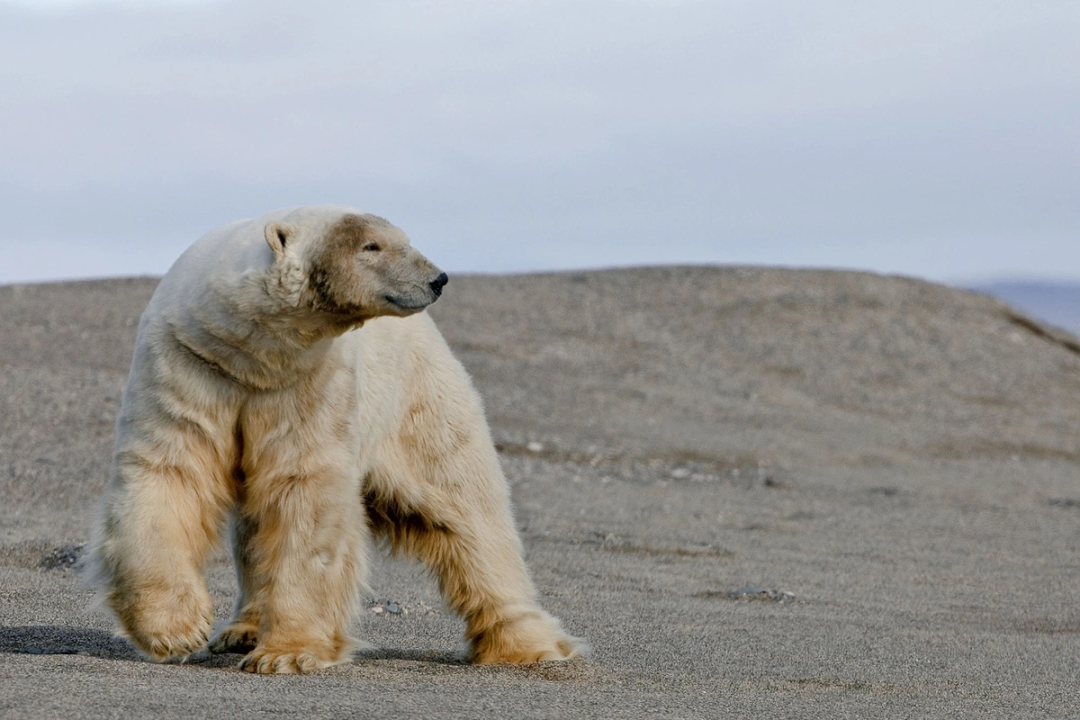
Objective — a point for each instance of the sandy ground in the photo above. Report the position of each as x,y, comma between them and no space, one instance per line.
758,493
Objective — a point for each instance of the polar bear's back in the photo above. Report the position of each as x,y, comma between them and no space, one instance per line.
220,256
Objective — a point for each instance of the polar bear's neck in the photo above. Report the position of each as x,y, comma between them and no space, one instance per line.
225,305
251,342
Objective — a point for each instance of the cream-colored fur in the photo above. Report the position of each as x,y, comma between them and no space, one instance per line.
285,382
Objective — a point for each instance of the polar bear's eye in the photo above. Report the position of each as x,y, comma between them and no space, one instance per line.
371,247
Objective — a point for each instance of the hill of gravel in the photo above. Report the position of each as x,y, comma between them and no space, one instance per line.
757,492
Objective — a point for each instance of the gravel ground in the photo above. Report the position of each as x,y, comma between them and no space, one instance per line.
758,493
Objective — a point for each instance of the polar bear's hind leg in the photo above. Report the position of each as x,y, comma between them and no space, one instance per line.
438,495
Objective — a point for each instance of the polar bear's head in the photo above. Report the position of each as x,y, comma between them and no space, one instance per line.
352,266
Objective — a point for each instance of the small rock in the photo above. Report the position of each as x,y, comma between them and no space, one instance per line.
751,592
393,607
535,447
680,472
61,558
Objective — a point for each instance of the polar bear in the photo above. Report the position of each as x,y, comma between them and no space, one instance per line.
286,383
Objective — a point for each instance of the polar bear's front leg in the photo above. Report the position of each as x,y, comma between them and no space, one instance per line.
307,557
159,524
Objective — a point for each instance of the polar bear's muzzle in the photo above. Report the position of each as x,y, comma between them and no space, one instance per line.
417,299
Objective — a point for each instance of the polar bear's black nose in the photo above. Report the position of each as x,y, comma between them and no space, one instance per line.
438,283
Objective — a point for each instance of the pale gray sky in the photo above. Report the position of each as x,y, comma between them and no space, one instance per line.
938,138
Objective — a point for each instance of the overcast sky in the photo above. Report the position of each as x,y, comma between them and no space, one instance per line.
937,138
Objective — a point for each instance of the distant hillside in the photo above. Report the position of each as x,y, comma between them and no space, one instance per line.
1057,303
721,366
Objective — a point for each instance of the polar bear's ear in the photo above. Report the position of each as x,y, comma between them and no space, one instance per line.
277,236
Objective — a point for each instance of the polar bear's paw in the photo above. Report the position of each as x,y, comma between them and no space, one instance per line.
175,647
166,630
529,638
281,659
269,662
235,638
173,643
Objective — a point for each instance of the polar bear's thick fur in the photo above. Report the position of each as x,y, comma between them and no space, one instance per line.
286,383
